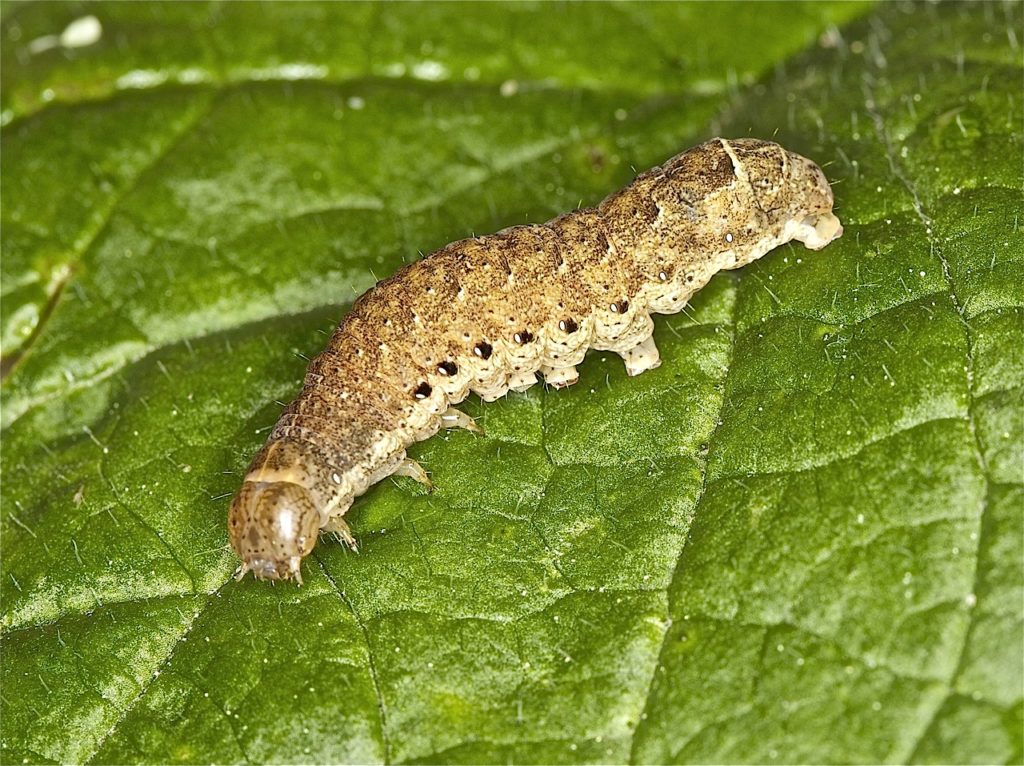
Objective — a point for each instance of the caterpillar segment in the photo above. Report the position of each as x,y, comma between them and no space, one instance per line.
487,315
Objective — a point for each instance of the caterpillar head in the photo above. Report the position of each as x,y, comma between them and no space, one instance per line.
273,526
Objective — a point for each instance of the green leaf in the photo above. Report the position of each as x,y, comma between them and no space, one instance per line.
799,539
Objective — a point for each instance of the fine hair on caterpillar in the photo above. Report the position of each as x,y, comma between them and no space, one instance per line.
488,314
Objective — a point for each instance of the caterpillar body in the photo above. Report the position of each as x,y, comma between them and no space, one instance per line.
488,314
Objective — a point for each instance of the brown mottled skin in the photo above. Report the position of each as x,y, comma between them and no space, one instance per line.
487,314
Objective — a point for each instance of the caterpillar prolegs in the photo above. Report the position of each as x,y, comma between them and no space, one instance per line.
489,313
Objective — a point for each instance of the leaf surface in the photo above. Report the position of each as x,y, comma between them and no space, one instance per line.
799,539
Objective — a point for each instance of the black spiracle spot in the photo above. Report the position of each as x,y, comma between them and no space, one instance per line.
523,337
422,391
483,350
619,307
447,368
568,326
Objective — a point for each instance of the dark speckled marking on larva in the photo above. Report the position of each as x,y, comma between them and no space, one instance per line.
488,314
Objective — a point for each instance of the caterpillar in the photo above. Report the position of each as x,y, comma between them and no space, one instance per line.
488,314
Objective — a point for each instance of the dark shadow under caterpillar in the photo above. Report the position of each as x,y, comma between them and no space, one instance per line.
487,314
